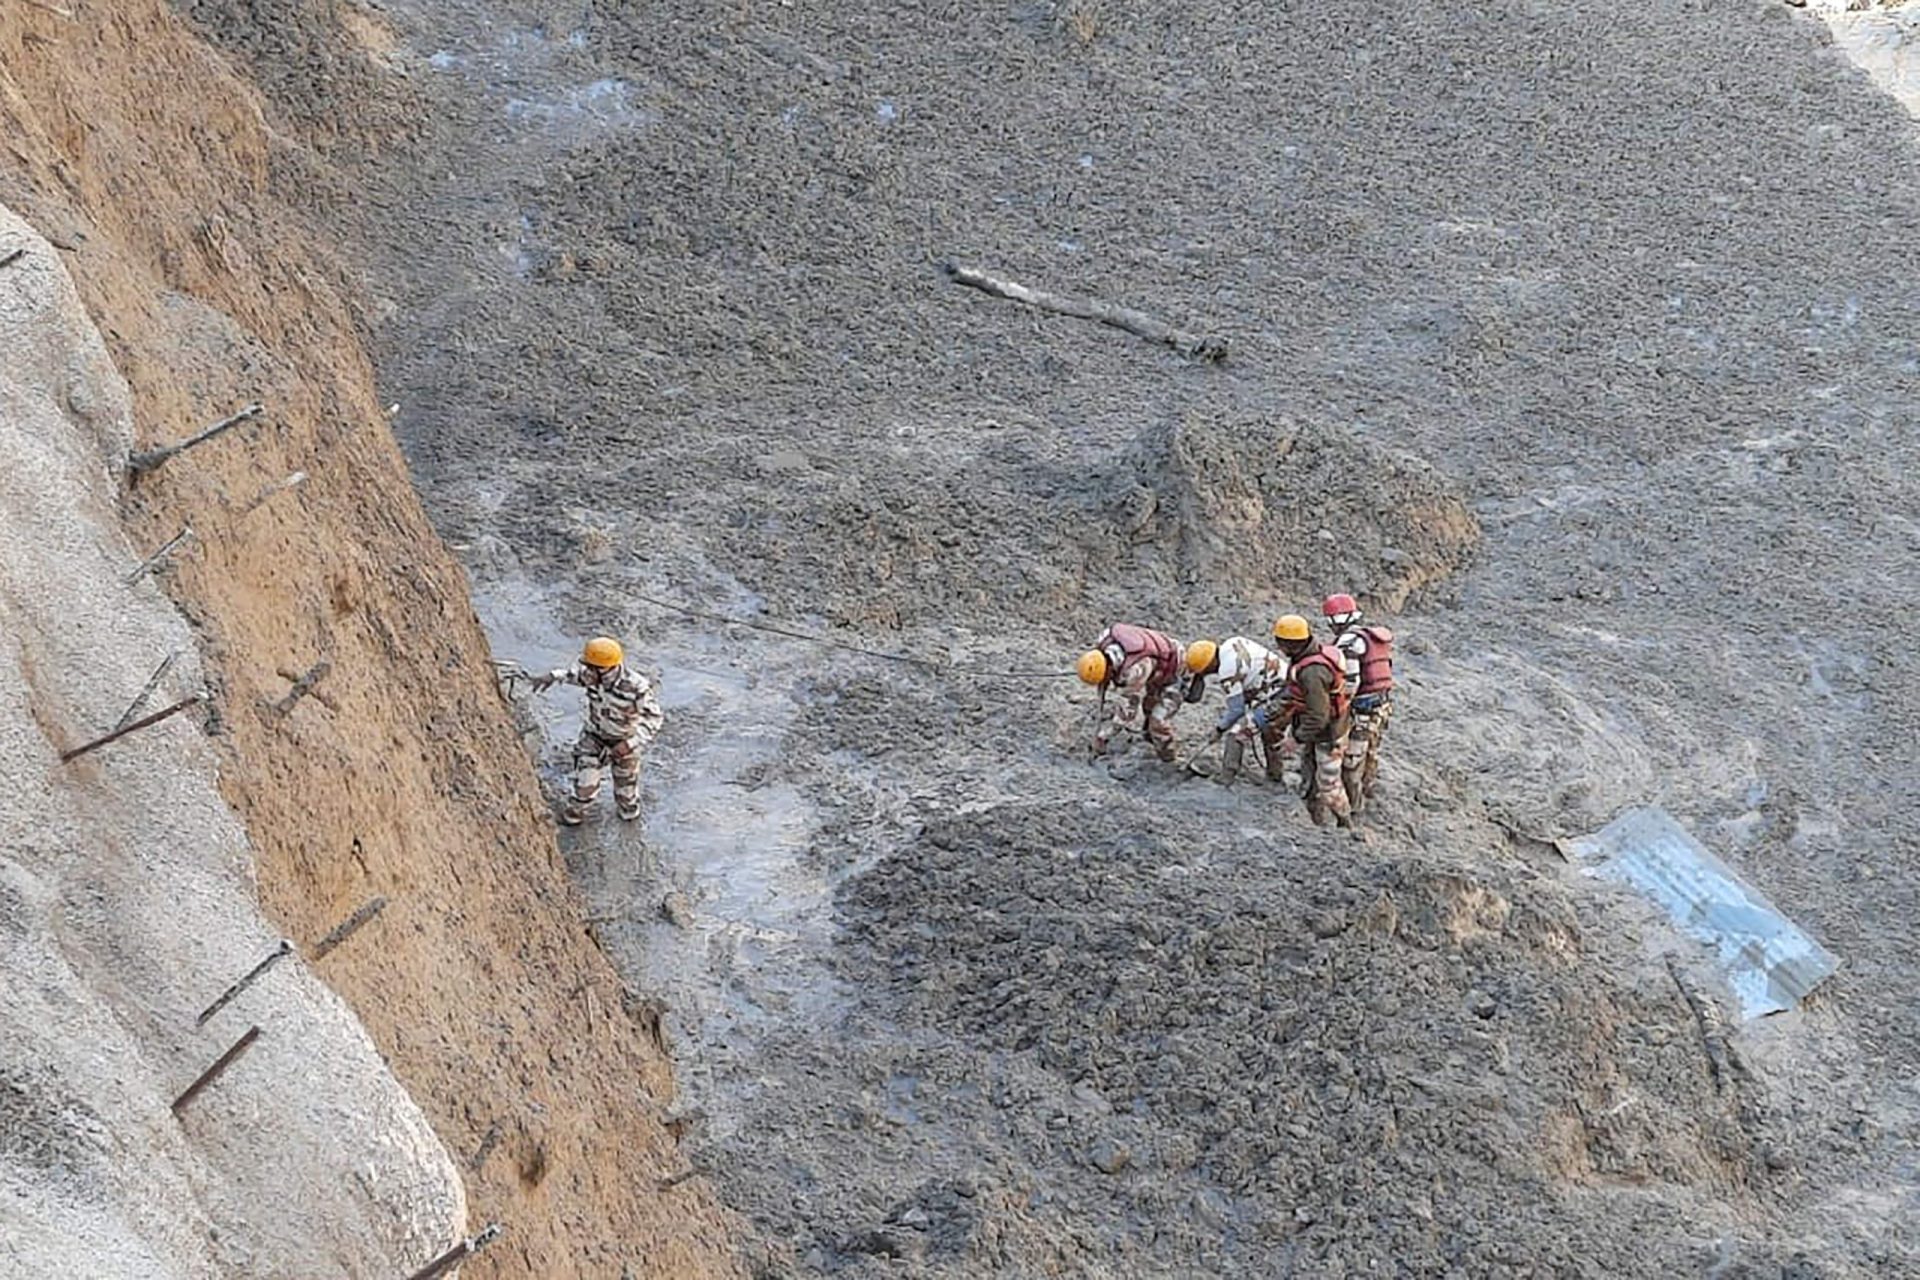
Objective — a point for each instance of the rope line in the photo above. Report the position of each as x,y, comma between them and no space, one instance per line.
908,659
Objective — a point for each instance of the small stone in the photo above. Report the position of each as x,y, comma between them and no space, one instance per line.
916,1217
1326,924
1210,1209
1109,1156
1482,1004
882,1243
676,910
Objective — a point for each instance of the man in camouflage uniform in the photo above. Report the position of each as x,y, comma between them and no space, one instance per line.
1144,668
1316,717
623,715
1366,653
1251,674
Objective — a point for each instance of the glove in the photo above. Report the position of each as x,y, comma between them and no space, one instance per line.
1098,749
542,682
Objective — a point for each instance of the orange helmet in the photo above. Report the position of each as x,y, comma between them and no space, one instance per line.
1292,626
602,652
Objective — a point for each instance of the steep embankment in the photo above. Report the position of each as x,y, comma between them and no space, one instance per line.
149,164
127,904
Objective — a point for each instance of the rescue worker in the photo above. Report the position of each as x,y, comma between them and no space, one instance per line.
623,715
1250,673
1367,656
1144,668
1315,717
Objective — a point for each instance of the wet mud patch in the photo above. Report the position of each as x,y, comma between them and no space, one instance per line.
1293,1038
1270,509
715,351
1028,525
327,67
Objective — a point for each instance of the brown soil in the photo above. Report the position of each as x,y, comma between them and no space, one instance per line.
142,154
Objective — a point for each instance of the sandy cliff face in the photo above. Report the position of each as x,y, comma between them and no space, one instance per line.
148,163
127,905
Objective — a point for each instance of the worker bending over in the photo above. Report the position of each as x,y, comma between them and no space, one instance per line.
1144,668
623,715
1249,672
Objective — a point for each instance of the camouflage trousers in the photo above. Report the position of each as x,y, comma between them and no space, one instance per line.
591,753
1155,708
1360,769
1322,780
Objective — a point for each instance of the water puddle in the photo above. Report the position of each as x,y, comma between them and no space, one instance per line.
539,79
575,114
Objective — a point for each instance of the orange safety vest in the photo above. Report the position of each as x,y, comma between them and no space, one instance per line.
1321,656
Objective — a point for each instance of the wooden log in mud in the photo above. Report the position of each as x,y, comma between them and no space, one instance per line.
1193,345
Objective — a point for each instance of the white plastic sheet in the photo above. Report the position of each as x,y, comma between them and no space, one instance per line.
1768,962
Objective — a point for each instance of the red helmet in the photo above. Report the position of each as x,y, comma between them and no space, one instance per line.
1339,605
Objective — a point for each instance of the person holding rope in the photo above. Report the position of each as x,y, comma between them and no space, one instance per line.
623,716
1145,669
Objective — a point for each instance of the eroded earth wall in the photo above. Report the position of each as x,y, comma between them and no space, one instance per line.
147,165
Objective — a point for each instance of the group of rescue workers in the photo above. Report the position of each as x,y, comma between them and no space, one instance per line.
1316,711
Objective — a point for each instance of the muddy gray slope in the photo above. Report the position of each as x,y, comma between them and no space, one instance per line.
1586,333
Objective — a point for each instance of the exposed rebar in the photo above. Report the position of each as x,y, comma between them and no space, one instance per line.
348,927
458,1254
302,686
135,727
141,463
293,481
146,690
214,1072
152,562
252,975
